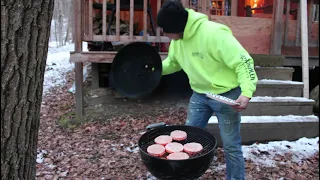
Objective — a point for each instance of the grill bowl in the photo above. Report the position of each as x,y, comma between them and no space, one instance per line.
191,168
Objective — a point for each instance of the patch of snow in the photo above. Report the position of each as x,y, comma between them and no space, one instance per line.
58,64
40,156
271,119
272,81
278,67
280,99
264,154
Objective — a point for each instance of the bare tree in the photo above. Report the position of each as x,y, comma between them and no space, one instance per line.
25,30
62,21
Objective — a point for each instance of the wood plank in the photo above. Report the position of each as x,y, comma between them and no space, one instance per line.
304,47
249,31
126,38
94,75
145,19
79,90
90,26
311,12
158,28
118,20
277,31
77,25
234,7
104,19
298,28
100,56
287,23
131,19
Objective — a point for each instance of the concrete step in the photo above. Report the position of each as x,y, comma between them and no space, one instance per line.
278,106
278,73
271,128
274,88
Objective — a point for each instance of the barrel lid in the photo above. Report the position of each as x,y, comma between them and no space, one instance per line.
136,70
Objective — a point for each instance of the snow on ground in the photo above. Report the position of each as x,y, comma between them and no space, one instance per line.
272,119
265,154
58,65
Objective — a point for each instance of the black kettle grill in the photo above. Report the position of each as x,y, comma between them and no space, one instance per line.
136,70
191,168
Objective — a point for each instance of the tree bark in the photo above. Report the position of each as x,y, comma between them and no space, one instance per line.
25,30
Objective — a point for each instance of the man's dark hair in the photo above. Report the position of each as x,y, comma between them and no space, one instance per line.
172,17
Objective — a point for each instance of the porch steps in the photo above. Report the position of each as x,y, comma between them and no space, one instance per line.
277,111
271,128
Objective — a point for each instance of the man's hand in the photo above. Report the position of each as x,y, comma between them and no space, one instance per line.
244,101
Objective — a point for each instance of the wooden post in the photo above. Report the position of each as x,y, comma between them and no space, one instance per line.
287,23
298,27
145,19
310,20
90,19
118,20
94,75
304,48
104,20
158,28
78,66
276,37
234,7
131,19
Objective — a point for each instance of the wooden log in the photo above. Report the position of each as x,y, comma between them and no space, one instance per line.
304,47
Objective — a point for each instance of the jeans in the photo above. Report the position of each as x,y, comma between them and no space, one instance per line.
201,109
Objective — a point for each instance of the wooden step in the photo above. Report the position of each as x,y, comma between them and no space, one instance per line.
278,106
278,73
266,87
271,128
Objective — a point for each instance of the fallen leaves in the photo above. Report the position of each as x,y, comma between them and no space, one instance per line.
108,149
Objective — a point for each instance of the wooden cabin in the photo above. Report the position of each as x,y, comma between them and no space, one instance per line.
270,27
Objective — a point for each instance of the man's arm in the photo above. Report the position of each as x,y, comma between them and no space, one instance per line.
236,57
170,64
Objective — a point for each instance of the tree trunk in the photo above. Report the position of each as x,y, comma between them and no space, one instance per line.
25,30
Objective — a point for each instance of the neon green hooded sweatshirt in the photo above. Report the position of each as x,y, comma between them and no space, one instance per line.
212,58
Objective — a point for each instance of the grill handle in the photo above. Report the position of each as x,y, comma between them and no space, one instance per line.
155,125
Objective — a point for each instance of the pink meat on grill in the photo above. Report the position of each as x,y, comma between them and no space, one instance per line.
174,147
192,148
156,150
163,140
178,135
178,156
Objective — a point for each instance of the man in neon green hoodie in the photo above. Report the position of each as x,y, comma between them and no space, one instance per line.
214,62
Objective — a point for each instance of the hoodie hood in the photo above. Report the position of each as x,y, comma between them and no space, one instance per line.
194,21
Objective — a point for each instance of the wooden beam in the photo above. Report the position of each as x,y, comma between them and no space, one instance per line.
79,65
90,19
304,47
298,27
234,7
131,19
276,37
100,56
118,20
145,19
126,38
158,28
104,18
287,23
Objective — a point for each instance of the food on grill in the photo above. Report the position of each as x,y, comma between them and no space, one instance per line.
163,140
178,135
178,156
192,148
174,147
156,150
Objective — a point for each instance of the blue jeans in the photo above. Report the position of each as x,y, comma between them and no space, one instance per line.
201,109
